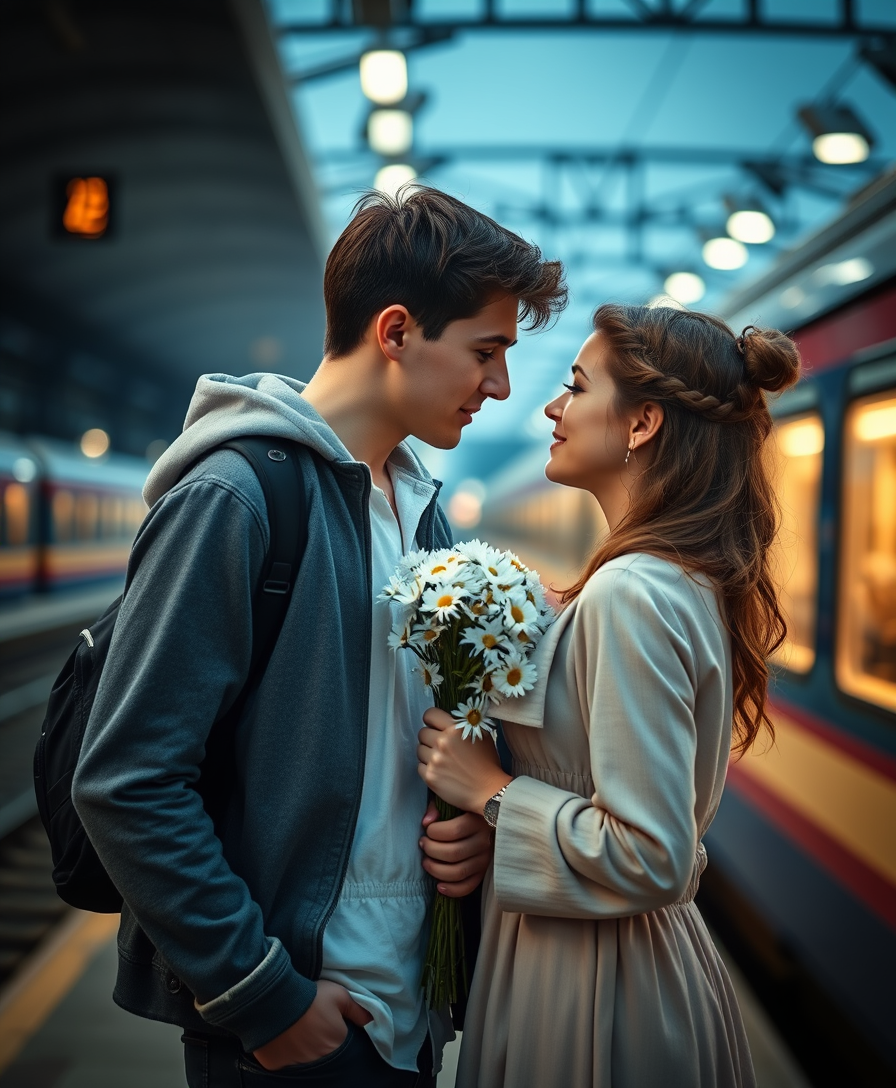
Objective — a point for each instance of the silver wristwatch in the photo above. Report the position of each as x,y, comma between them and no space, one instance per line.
493,807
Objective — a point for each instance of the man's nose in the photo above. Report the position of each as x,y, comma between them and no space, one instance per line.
496,382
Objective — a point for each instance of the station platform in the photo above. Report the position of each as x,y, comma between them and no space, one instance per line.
60,1029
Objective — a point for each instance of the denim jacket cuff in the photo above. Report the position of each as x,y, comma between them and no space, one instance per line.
263,1004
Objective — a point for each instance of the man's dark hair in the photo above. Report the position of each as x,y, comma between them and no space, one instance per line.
438,257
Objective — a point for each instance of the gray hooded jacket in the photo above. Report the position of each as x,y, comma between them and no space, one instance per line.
223,931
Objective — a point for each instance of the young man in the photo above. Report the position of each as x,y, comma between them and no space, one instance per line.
291,931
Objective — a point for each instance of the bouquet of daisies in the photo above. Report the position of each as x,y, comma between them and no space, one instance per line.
472,615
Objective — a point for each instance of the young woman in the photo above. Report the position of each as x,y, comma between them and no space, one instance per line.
596,968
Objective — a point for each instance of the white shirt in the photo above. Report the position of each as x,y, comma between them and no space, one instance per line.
375,941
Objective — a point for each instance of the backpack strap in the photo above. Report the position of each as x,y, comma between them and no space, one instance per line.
276,464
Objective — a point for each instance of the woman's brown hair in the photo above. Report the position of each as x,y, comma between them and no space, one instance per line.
705,499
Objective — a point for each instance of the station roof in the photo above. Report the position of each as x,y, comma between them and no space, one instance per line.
610,132
213,255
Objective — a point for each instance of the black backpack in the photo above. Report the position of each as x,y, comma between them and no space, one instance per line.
78,872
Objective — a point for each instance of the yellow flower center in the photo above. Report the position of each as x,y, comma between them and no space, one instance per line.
489,642
477,609
487,684
522,636
446,601
474,717
437,570
517,613
429,635
492,570
427,677
514,676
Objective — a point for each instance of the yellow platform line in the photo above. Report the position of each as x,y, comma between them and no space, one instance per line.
48,976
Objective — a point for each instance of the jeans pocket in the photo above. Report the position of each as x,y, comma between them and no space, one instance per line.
254,1074
195,1061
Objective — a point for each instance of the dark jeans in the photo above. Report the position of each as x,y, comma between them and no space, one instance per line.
213,1061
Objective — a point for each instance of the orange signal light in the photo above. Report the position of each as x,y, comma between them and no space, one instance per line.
87,207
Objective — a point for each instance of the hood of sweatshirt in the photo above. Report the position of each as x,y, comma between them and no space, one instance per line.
224,407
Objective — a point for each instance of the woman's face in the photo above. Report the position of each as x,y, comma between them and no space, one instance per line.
590,440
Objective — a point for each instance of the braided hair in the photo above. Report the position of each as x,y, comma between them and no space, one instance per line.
704,499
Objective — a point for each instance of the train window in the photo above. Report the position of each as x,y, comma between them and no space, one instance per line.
63,514
799,442
87,509
866,636
111,516
16,508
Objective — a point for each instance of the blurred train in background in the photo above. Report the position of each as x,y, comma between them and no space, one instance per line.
65,519
803,850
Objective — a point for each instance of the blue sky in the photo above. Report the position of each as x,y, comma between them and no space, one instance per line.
495,92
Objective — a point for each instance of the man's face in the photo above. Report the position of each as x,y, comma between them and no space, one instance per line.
444,382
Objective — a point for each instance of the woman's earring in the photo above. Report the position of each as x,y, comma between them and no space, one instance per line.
630,448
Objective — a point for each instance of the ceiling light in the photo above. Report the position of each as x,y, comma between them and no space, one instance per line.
390,132
94,443
685,287
390,178
748,221
842,273
384,76
838,136
725,253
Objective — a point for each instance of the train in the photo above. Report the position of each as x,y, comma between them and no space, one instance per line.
802,877
65,519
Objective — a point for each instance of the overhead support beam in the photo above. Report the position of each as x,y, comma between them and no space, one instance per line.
659,15
674,156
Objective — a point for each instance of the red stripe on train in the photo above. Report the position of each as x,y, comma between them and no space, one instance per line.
877,893
859,750
832,340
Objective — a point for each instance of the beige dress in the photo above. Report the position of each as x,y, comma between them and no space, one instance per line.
596,968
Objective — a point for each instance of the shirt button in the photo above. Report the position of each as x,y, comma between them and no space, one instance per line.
173,984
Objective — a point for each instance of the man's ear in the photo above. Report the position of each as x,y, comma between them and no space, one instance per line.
391,328
646,423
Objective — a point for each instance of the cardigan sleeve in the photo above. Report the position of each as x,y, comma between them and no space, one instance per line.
631,847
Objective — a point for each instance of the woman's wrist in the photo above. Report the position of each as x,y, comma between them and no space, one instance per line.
494,784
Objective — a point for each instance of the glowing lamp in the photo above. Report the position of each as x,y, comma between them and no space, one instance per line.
389,179
685,287
390,132
838,136
384,76
724,253
94,443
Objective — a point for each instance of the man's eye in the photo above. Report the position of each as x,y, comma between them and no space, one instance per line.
572,388
484,355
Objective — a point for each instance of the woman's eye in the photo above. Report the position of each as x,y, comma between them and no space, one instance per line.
572,388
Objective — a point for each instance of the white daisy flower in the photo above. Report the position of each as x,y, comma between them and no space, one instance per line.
425,634
502,574
400,635
485,685
430,674
440,567
521,615
408,563
477,552
470,717
487,638
515,675
443,601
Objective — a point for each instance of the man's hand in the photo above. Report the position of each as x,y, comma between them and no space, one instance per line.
456,852
319,1032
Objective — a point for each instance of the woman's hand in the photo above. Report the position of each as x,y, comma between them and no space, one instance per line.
460,772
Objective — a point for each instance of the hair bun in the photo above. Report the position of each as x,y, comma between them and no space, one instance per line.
771,359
